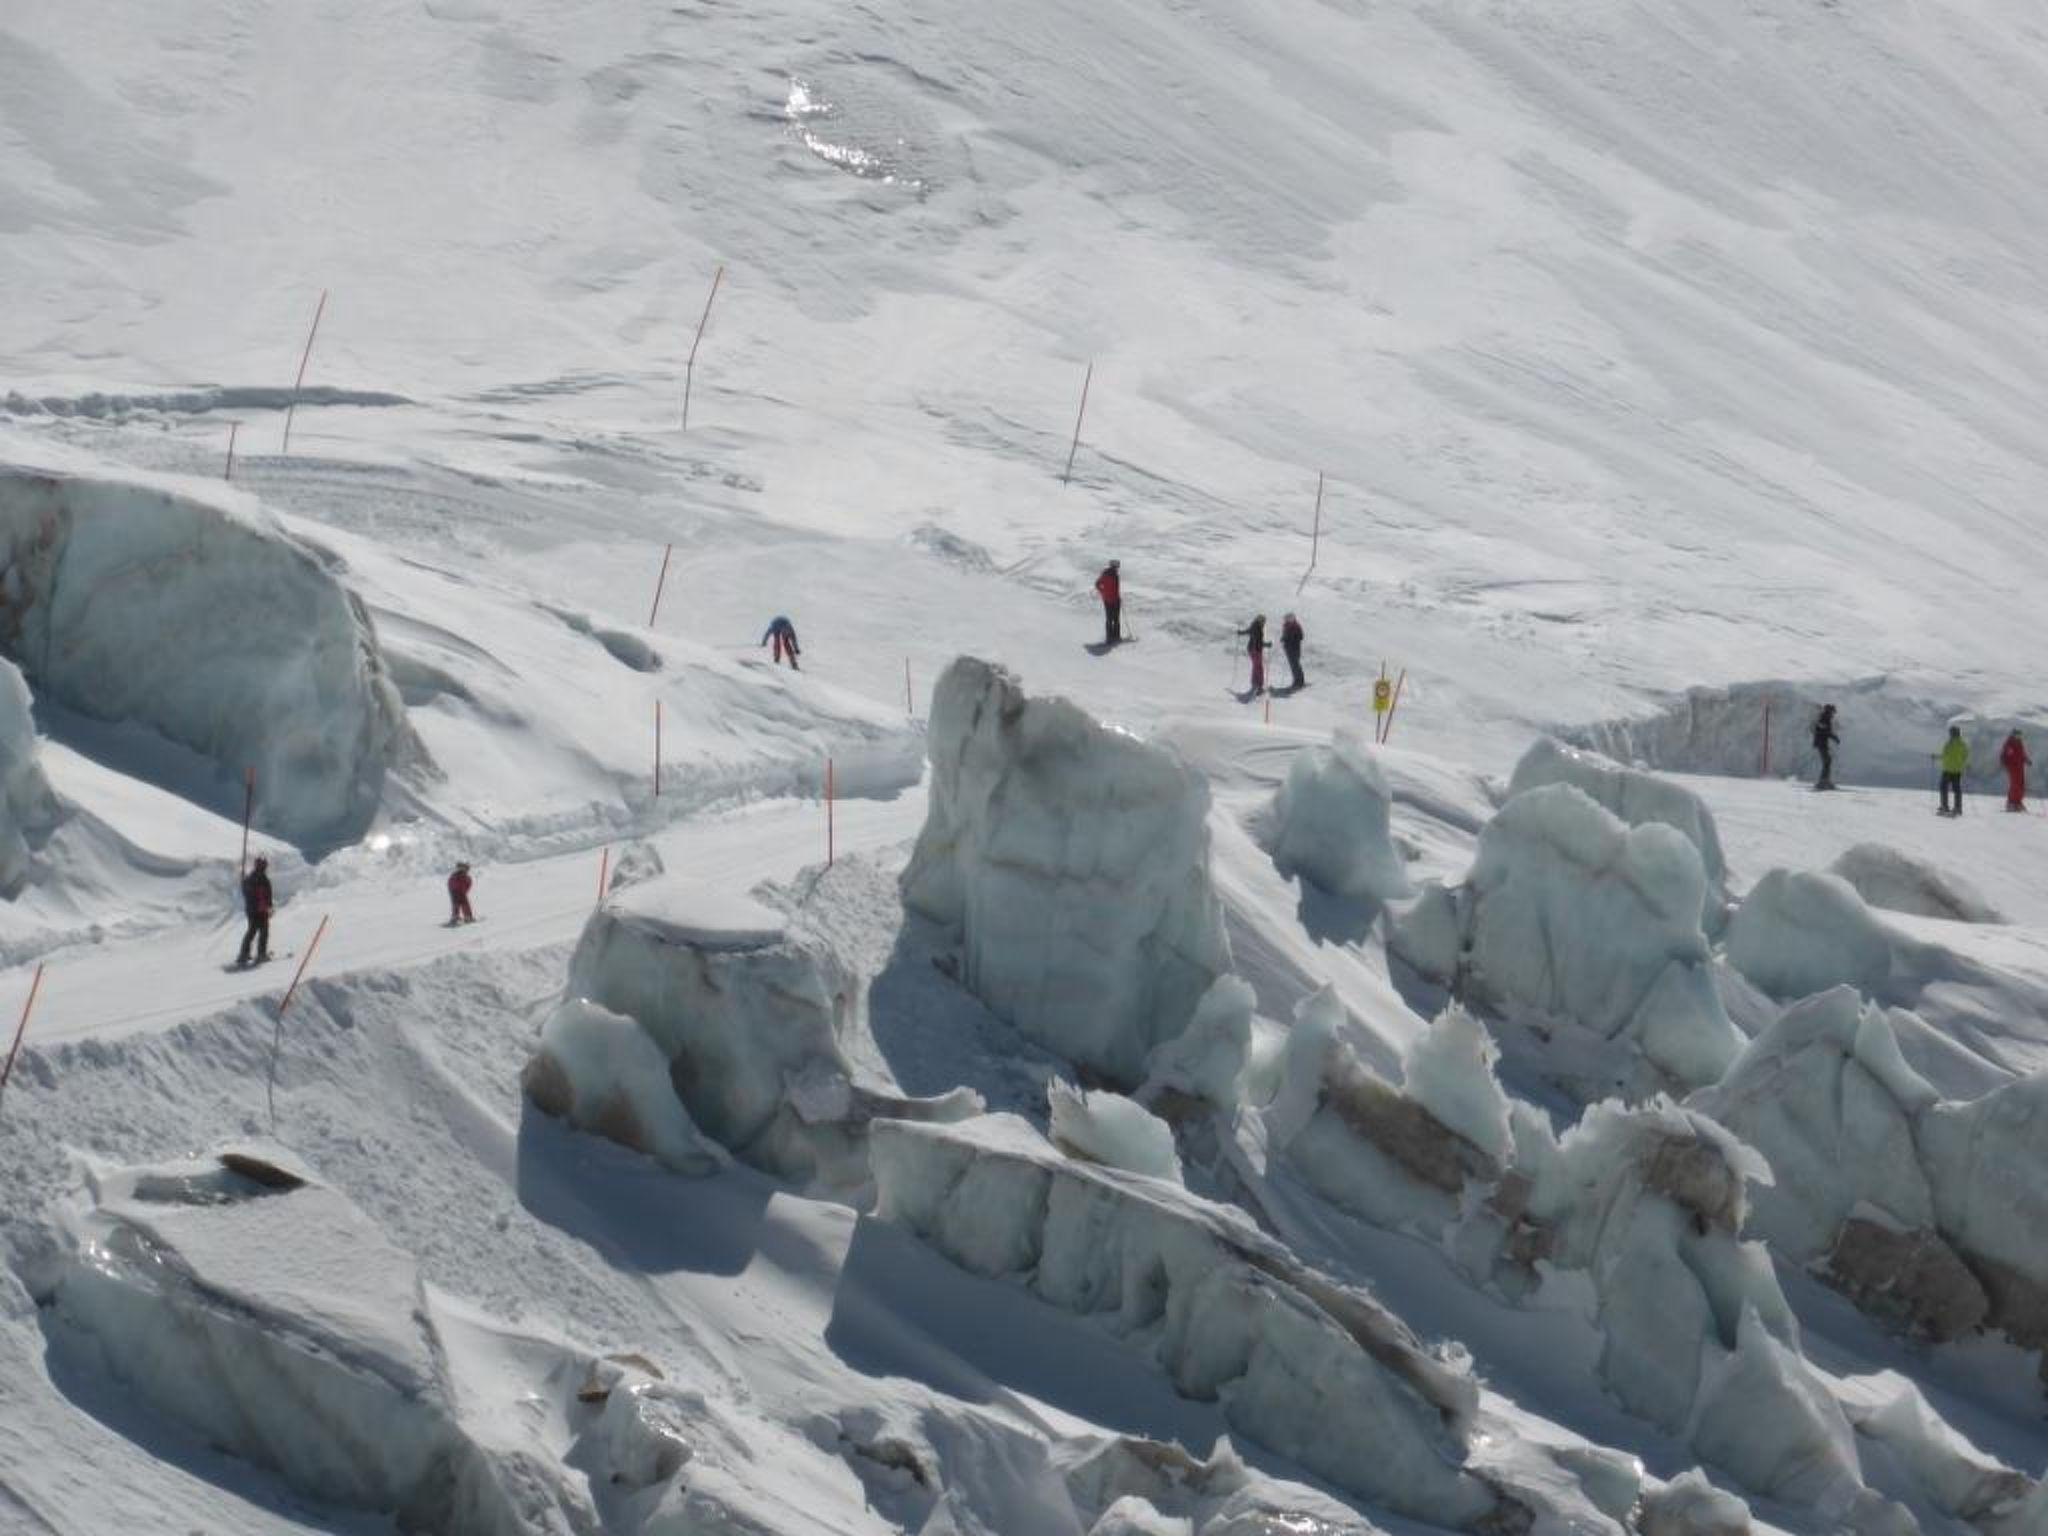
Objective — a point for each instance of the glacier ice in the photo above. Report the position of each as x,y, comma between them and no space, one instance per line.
1073,860
1893,879
28,806
1801,932
1109,1129
1330,820
601,1071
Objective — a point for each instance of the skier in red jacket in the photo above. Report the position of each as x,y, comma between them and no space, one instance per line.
2012,757
458,896
1110,588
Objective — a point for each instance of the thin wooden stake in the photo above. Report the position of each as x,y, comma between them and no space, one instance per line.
21,1029
1067,475
1269,706
604,873
1765,771
909,699
831,847
657,749
277,1034
248,812
1315,538
660,582
229,472
690,368
1394,704
305,357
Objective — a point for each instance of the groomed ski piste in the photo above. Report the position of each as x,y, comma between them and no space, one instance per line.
988,1083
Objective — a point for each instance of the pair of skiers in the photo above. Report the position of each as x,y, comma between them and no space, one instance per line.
1256,646
1955,762
782,634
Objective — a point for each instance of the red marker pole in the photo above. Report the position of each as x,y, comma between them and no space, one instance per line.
660,582
304,358
690,368
248,811
21,1029
277,1035
604,873
1067,474
1394,704
233,428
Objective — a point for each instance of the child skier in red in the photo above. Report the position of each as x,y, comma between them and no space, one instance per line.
2012,757
458,896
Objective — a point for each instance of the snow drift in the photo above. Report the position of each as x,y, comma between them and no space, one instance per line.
1887,877
1586,931
1801,932
744,1024
1330,821
28,806
1319,1373
1074,862
205,621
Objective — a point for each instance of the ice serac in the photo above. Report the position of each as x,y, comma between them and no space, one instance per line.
745,1021
1588,931
28,807
1317,1372
1073,860
1638,798
197,616
1802,932
601,1071
275,1320
1330,822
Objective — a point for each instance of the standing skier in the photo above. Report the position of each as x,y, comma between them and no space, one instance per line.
1824,739
2012,757
458,896
783,633
1109,587
1255,646
1955,758
256,904
1290,646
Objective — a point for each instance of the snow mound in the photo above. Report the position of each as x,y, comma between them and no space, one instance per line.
601,1071
203,620
1898,882
1107,1128
1331,822
1587,931
1639,799
28,806
1074,861
745,1022
1689,1505
1207,1062
276,1321
1320,1374
1801,932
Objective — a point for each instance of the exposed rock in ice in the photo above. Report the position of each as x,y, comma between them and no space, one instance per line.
1983,1160
205,621
1572,921
28,807
746,1021
1109,1129
1074,861
1959,1479
1898,882
1798,933
601,1071
1637,798
1316,1372
1331,822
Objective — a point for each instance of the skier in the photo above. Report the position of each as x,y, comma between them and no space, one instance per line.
256,903
458,896
2012,757
1109,587
1955,757
1290,645
1256,647
1824,739
783,633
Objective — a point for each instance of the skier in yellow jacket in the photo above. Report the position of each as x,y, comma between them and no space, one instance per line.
1955,758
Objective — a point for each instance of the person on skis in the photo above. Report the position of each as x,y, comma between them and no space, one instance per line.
1824,739
783,634
2012,757
458,896
1290,647
256,901
1255,646
1955,759
1109,587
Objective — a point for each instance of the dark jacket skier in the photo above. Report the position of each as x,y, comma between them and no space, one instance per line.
1824,739
256,901
1255,646
1290,645
1109,586
783,633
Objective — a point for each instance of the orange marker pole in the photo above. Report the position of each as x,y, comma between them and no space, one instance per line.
604,872
830,832
305,357
659,582
1067,474
21,1029
1269,706
277,1035
248,811
229,472
1394,705
690,368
